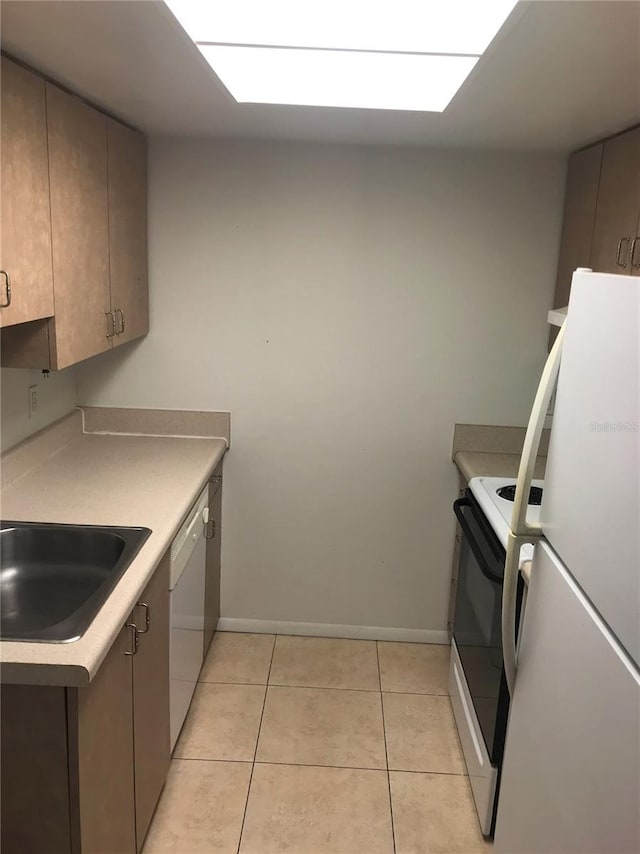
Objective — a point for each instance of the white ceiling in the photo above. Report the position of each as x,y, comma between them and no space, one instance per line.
560,74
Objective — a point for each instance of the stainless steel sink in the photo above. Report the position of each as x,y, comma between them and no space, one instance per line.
55,578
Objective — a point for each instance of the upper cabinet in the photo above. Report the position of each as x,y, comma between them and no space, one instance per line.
95,224
618,209
127,186
79,228
601,225
26,282
580,198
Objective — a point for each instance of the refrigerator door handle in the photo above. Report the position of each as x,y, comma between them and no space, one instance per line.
521,531
519,524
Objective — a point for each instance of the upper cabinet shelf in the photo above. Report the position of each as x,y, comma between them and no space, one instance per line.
93,229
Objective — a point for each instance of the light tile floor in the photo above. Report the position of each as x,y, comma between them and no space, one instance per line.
318,746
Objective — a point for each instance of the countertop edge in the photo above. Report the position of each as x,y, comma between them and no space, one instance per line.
94,645
484,464
44,675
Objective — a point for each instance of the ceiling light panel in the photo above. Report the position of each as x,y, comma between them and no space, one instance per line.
420,26
329,78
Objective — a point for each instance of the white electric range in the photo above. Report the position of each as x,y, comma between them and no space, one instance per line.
495,497
477,683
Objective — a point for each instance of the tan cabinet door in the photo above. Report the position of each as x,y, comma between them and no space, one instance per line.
80,232
618,205
212,564
26,223
128,231
34,770
635,249
103,778
151,699
581,196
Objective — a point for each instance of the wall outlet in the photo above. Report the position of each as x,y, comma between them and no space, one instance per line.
33,400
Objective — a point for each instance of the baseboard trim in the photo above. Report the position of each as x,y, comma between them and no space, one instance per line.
331,630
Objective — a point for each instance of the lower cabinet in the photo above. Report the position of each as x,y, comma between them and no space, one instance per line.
152,752
101,772
82,768
34,771
212,566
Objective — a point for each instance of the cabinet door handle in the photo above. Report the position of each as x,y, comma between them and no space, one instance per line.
147,617
7,289
111,324
135,639
634,263
120,314
623,240
210,529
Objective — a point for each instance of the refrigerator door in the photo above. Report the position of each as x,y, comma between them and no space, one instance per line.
590,509
571,773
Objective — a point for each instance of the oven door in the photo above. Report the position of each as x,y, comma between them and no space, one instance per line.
477,685
477,620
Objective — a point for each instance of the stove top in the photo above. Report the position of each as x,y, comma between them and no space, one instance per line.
509,492
495,497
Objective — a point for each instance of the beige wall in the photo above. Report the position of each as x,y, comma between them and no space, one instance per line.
57,394
348,305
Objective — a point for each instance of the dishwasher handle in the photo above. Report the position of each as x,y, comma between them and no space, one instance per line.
191,529
209,525
187,539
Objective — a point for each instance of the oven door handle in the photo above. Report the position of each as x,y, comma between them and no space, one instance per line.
484,567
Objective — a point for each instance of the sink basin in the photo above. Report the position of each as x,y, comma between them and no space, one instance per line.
55,578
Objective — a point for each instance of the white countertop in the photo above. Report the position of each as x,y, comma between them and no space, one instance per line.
147,481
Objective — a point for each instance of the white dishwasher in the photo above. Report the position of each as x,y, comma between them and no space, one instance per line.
186,597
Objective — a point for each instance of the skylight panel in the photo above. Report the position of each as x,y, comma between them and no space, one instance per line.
408,55
327,78
413,26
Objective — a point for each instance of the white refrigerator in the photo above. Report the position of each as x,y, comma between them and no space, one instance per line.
571,774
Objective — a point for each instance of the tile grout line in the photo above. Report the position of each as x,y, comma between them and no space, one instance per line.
386,754
317,765
327,688
304,687
266,685
348,767
255,752
207,759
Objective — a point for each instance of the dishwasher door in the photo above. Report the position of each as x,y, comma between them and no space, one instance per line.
187,615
